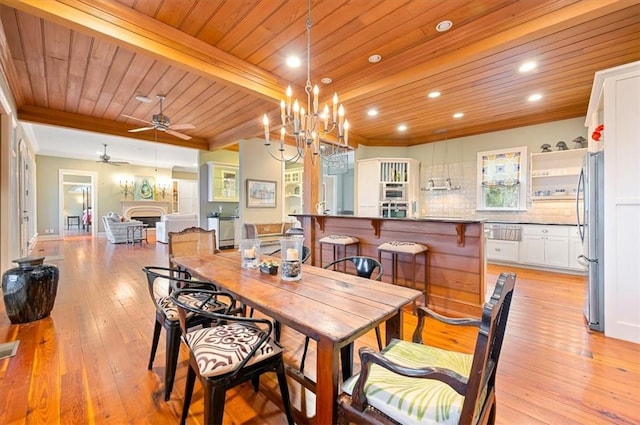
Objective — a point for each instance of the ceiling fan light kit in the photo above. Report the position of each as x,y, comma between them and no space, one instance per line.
161,122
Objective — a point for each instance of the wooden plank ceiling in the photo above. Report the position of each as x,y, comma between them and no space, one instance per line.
81,63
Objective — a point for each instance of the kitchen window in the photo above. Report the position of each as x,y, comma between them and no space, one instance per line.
502,179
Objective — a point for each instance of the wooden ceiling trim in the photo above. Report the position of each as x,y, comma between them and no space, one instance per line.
126,27
485,47
9,68
97,125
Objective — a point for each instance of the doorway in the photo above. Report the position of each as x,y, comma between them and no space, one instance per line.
78,203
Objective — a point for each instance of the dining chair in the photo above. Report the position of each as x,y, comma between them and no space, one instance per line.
191,241
233,350
364,267
409,382
161,281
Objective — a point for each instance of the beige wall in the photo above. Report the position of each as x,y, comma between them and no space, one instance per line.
108,189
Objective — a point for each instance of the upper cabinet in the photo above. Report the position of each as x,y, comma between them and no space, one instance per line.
223,182
554,175
293,190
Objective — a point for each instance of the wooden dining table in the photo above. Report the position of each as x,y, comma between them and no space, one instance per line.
331,307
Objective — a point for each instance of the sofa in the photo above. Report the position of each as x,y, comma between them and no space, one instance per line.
115,227
268,233
174,223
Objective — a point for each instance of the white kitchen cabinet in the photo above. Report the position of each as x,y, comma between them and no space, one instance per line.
545,245
615,103
395,174
554,175
368,193
498,250
293,191
223,182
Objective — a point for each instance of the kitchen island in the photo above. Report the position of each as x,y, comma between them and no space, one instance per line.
455,259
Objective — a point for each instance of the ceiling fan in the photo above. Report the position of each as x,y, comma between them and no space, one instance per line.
162,122
106,159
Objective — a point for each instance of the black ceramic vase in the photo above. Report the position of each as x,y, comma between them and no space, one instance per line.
29,289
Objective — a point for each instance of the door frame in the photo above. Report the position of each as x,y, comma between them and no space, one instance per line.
93,184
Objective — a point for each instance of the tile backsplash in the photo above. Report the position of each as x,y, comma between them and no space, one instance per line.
462,202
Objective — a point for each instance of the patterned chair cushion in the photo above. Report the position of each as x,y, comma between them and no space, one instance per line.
404,247
339,239
413,400
171,311
219,350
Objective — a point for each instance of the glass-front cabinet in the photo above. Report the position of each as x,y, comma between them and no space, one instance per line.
223,182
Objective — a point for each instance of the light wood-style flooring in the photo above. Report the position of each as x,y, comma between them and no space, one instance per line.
87,363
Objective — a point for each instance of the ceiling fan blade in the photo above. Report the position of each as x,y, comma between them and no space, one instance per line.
182,127
119,162
135,130
180,135
137,119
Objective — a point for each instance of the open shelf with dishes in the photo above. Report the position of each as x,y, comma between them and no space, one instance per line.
554,175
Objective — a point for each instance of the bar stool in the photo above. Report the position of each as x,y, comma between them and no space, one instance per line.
411,248
338,241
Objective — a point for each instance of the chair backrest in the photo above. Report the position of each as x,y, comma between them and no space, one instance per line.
365,266
306,253
192,241
160,280
493,324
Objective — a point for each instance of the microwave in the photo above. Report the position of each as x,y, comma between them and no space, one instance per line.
394,192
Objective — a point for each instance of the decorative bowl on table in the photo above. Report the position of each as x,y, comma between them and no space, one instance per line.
269,267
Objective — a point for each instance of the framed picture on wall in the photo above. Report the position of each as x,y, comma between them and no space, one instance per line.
144,188
261,194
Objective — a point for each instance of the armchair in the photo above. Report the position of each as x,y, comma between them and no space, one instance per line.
411,383
174,223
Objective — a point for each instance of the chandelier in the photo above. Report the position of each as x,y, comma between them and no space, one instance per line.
308,126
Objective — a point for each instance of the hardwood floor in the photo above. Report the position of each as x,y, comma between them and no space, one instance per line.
86,364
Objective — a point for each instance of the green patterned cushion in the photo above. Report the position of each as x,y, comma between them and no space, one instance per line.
413,400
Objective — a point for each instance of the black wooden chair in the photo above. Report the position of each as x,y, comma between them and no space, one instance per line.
364,267
161,281
412,382
233,350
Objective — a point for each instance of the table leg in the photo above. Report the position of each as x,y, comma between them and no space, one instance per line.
346,358
327,382
393,327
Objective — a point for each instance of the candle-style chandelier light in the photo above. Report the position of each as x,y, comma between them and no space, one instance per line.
308,126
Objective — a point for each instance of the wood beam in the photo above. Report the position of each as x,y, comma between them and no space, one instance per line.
126,27
97,125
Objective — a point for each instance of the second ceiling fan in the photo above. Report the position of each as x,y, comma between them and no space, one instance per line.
162,122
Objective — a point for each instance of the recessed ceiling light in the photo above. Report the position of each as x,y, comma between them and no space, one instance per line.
434,94
372,112
527,66
326,80
142,98
458,115
402,127
535,97
293,62
375,58
444,26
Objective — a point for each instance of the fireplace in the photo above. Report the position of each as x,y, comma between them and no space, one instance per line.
149,212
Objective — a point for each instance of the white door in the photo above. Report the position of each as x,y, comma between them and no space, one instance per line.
187,196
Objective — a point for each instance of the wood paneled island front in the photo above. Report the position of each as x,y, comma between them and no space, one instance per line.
455,261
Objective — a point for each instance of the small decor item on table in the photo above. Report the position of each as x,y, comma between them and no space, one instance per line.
269,267
546,147
30,289
562,146
597,133
291,255
250,253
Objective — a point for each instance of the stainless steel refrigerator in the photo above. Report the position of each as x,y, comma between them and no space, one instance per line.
590,218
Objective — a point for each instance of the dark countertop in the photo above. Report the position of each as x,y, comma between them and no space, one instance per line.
426,219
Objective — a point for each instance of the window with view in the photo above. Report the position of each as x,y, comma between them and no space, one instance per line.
502,179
